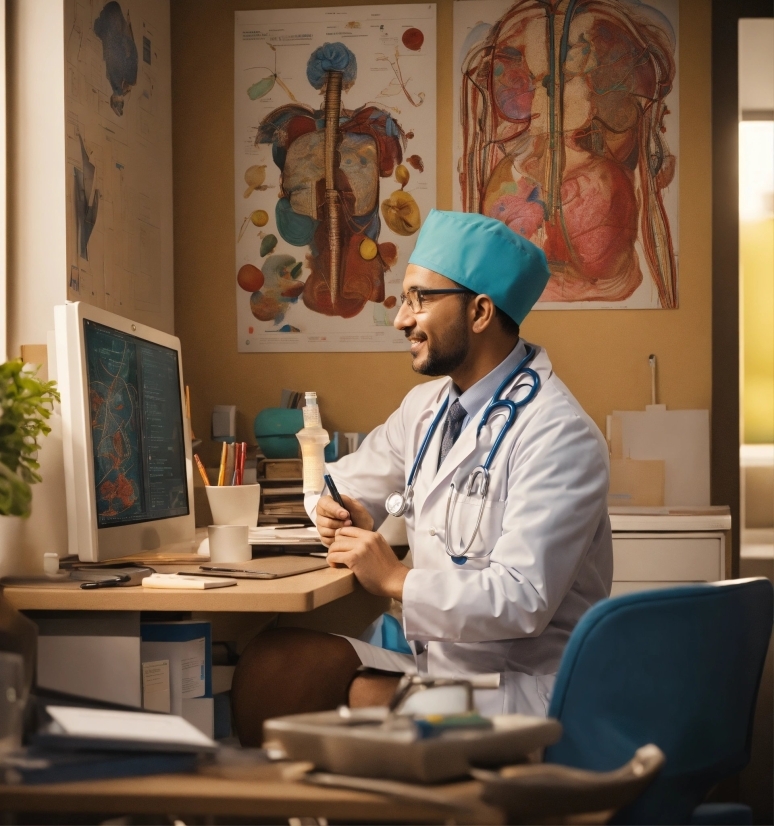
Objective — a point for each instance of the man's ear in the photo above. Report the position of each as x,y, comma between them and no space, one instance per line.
483,310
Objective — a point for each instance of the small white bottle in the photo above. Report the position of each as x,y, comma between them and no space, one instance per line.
313,440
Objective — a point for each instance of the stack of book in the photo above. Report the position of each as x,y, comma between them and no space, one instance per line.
79,743
282,493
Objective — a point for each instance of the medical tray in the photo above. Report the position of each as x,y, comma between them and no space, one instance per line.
363,744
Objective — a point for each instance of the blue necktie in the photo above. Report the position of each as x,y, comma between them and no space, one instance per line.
451,429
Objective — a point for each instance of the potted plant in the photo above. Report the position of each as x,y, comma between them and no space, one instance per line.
26,403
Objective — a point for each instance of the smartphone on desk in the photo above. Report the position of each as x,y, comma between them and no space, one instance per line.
110,577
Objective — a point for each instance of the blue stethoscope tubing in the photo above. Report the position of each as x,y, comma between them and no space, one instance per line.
398,503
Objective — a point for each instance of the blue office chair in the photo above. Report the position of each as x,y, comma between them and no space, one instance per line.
679,668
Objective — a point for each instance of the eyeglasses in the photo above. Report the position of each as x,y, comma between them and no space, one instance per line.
415,296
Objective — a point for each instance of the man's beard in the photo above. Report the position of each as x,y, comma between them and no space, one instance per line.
448,354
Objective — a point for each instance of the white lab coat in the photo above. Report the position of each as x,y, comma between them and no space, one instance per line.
545,520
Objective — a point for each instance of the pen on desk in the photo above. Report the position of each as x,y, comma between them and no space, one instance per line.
202,470
334,492
222,469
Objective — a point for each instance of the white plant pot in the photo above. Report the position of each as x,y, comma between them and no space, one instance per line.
11,546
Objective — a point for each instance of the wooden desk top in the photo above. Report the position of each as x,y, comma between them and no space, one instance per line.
292,594
261,795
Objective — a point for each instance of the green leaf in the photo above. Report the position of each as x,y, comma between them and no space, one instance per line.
263,87
26,403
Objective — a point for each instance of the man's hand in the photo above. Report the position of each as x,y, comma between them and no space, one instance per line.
370,559
331,517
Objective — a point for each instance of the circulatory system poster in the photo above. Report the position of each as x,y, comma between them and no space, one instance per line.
566,129
335,145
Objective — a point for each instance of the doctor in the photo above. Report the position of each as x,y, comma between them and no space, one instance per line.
498,581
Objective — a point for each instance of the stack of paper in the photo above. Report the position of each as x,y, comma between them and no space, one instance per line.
282,500
295,534
92,744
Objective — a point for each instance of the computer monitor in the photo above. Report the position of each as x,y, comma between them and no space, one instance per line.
126,438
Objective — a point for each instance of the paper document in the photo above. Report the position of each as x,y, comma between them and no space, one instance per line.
186,668
155,686
135,726
192,665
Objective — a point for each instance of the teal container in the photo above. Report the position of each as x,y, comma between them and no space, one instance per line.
275,431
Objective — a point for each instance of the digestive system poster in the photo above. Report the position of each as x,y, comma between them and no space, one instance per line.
566,129
335,144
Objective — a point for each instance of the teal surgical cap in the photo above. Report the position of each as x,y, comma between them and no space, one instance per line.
485,256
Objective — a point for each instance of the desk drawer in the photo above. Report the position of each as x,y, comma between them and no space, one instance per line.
656,558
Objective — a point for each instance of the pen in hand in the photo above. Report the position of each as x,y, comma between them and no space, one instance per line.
334,492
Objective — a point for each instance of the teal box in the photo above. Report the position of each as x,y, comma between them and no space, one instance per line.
333,450
275,431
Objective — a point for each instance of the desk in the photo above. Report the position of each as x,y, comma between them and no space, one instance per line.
263,797
329,600
292,594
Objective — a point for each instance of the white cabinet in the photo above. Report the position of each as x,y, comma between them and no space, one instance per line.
661,548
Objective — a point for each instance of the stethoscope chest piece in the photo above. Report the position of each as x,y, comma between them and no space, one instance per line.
398,503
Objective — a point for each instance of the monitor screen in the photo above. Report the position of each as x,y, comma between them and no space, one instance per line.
137,431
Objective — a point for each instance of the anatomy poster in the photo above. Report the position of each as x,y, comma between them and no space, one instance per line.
335,143
119,158
566,129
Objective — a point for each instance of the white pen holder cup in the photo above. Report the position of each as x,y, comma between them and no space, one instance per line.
229,543
234,504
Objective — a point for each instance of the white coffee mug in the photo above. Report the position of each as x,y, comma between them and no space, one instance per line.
229,543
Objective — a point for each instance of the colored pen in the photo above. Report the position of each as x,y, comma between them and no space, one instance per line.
202,470
222,469
237,452
334,492
239,462
242,464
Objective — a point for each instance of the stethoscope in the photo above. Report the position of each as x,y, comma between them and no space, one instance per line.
398,504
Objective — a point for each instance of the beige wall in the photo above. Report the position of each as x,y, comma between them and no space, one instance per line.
36,254
601,355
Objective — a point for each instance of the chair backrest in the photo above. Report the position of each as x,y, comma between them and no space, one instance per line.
678,667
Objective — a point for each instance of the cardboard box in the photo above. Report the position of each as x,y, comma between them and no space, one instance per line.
92,654
636,482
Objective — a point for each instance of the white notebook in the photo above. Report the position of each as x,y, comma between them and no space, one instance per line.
106,728
186,582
